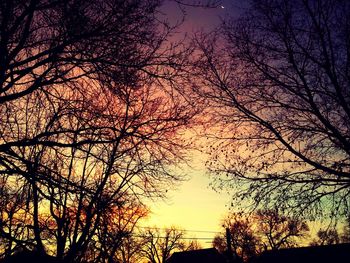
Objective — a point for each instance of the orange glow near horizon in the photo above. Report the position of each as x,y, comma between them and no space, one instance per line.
193,207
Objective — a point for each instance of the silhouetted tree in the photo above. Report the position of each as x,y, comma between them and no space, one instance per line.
245,241
89,121
279,231
262,230
114,235
12,226
345,237
159,245
193,245
78,188
326,237
277,81
130,249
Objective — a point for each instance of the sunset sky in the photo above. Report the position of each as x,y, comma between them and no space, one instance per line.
195,206
131,130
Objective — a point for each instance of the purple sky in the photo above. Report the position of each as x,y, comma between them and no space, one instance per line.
194,205
202,18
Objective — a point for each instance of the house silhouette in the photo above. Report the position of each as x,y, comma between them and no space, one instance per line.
313,254
209,255
29,257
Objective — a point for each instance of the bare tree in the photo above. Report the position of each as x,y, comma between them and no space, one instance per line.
277,81
114,241
245,241
345,237
326,237
159,245
89,121
130,251
13,217
278,231
193,245
333,235
259,231
83,186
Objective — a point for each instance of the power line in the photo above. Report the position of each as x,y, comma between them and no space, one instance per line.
184,230
183,238
181,229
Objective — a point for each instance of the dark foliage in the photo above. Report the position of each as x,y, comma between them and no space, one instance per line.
278,83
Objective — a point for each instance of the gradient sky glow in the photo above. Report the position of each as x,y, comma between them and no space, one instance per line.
194,206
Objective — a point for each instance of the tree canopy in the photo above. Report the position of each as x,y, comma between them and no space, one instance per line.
277,81
263,230
90,122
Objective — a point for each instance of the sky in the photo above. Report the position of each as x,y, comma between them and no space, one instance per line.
201,18
194,206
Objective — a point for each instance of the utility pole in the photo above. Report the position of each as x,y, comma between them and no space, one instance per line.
229,248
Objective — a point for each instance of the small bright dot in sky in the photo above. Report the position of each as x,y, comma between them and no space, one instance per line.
222,7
